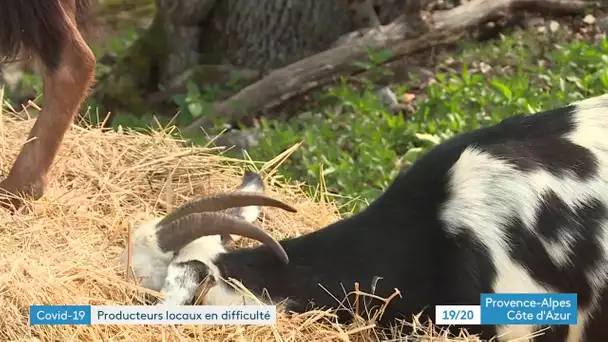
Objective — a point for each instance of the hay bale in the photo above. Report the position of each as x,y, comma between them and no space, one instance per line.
64,250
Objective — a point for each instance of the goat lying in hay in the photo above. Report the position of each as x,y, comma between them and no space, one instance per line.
521,206
49,31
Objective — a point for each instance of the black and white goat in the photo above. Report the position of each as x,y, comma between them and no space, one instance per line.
521,206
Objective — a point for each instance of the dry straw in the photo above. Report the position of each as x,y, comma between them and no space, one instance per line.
62,249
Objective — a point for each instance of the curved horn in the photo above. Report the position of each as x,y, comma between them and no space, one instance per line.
222,202
176,234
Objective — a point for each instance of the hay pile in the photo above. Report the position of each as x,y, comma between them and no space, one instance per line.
63,250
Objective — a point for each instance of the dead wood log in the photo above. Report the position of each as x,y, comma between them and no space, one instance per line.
443,27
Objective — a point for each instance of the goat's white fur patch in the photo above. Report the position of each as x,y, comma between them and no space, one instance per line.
182,282
486,192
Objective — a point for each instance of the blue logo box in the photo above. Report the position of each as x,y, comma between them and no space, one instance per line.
528,308
60,314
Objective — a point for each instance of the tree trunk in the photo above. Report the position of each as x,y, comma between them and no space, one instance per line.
189,36
268,34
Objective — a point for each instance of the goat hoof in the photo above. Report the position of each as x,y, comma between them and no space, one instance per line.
12,193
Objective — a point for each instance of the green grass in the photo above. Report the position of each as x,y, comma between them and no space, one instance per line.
360,151
357,147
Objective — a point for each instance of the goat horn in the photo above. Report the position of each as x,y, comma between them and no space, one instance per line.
178,233
222,202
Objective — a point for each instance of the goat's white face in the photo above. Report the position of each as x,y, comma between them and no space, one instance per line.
189,268
150,265
176,253
195,261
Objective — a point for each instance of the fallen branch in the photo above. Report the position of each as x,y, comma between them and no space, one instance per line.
444,27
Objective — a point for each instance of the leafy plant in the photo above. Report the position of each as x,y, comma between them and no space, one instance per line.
361,149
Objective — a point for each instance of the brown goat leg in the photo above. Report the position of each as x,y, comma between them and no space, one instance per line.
64,91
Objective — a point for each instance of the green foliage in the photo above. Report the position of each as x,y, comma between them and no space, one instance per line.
118,46
361,150
356,149
194,103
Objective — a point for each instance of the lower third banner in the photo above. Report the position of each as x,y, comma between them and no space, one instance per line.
529,308
159,314
512,308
